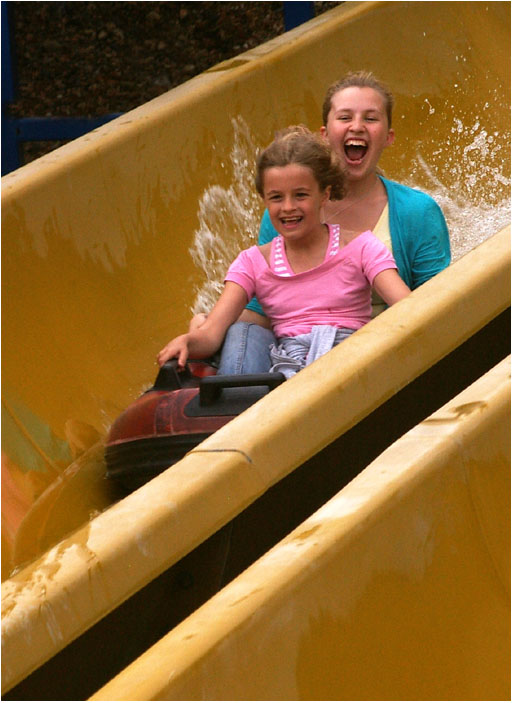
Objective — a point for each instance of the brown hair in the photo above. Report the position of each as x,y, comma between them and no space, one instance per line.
297,145
358,79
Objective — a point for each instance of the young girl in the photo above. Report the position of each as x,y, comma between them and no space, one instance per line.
357,123
313,281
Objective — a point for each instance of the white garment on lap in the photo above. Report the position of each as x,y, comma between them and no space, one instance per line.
294,353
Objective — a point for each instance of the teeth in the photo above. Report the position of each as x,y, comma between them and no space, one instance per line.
356,142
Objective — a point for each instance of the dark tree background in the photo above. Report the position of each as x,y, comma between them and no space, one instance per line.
95,58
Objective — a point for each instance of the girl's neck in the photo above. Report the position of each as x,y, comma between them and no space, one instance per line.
308,252
360,208
362,188
315,238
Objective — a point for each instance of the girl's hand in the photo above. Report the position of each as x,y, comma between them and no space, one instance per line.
177,347
206,338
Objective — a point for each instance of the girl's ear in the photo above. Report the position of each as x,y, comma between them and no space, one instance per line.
326,195
323,132
390,137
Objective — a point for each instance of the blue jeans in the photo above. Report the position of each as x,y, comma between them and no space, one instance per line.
246,349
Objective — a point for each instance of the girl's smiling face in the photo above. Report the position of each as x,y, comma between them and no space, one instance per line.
357,129
294,200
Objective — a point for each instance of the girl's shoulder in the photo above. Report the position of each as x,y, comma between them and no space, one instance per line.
350,239
265,251
365,245
256,256
264,248
248,257
406,195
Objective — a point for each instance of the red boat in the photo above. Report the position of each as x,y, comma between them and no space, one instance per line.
179,411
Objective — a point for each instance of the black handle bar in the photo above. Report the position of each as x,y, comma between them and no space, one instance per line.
211,386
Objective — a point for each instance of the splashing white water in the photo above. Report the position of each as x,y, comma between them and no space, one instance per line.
470,223
229,219
475,164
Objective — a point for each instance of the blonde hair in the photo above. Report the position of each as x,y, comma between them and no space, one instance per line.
298,145
358,79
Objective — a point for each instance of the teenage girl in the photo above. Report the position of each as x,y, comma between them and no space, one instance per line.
357,123
313,278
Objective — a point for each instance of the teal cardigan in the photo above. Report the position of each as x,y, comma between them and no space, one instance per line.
418,230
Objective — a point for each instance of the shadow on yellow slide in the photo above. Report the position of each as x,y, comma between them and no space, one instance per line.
112,240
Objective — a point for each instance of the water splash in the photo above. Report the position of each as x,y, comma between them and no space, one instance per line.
229,219
470,178
470,222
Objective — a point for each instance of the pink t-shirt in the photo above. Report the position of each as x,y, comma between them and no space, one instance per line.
336,293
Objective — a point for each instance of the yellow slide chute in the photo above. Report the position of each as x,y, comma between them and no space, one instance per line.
396,589
109,244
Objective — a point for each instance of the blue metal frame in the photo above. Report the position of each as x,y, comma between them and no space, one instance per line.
28,129
295,13
10,147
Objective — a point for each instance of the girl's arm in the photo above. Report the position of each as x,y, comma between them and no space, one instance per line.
247,315
206,340
390,286
432,245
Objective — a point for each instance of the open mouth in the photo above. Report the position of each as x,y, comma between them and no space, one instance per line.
290,221
355,150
